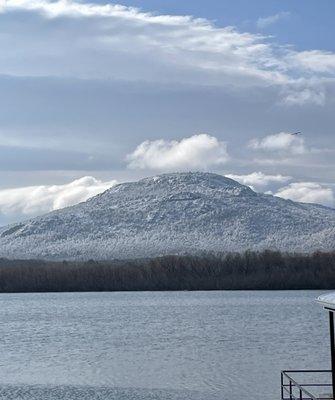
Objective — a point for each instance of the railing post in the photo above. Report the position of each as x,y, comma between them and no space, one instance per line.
332,348
290,389
281,386
300,394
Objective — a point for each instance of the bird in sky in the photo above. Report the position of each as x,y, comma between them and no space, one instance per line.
296,133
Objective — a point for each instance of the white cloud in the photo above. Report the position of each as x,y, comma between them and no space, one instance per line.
114,41
282,142
259,180
127,42
18,203
272,19
307,94
313,60
195,152
307,192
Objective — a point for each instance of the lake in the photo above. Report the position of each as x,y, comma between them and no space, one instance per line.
158,345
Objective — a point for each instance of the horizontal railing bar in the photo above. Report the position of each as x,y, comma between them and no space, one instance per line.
287,390
306,370
303,398
311,384
306,398
293,397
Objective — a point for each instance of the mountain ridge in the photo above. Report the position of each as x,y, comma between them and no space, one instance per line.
173,213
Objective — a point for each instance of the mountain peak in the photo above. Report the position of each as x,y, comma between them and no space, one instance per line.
195,182
172,214
207,178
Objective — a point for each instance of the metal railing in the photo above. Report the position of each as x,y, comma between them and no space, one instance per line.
292,390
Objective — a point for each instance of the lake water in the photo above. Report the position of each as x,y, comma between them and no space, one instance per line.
162,345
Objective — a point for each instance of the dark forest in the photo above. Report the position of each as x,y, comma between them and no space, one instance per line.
267,270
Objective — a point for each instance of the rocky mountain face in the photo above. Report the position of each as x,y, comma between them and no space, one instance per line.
172,214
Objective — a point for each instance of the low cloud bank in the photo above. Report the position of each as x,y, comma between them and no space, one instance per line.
259,180
304,192
308,192
19,203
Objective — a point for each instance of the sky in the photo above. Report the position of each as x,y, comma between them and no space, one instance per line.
95,93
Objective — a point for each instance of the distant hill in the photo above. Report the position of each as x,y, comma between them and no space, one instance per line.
178,213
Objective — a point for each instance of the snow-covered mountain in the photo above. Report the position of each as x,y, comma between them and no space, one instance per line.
169,214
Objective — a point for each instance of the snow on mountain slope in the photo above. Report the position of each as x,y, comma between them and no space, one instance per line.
169,214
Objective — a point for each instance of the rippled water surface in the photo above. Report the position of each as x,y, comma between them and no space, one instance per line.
163,345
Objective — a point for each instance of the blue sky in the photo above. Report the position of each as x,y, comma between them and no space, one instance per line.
94,92
309,23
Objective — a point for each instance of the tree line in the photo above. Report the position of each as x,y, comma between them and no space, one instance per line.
266,270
